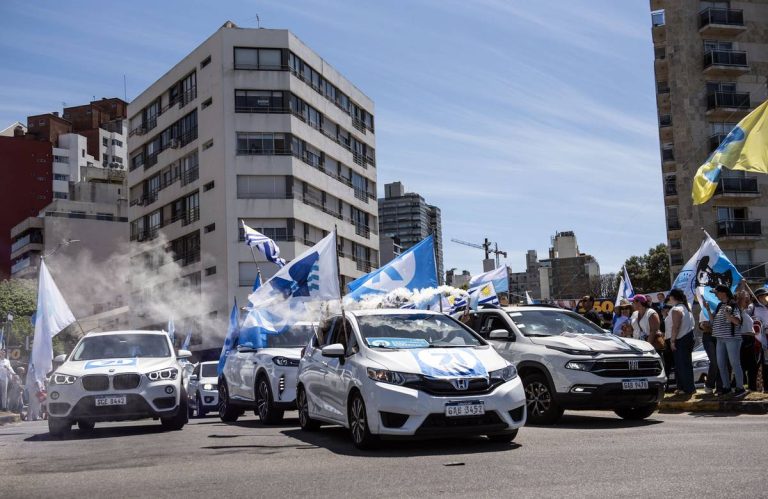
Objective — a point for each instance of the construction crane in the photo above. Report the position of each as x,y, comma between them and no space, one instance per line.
486,246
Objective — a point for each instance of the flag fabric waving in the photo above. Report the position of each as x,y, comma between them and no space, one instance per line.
744,148
53,315
171,330
257,281
484,294
414,269
187,340
267,246
499,277
528,299
626,291
233,333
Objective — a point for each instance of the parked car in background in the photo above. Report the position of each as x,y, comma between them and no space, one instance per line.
203,389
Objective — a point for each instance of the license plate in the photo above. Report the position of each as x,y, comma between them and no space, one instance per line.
114,400
634,384
465,409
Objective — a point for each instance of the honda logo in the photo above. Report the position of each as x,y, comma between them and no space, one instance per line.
634,365
460,383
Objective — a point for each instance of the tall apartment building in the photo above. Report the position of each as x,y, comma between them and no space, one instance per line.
567,273
407,216
711,63
529,280
252,125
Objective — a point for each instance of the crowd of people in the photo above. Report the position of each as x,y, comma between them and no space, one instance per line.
11,386
734,335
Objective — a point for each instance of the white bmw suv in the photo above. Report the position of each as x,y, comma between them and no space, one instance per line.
118,376
263,379
400,373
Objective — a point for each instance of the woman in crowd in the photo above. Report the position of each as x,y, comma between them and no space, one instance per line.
679,327
726,321
748,353
645,323
669,355
710,347
623,311
760,318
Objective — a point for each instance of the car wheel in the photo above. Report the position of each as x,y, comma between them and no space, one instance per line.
191,410
503,437
358,424
86,425
541,405
636,413
178,420
58,427
302,404
265,409
199,406
227,412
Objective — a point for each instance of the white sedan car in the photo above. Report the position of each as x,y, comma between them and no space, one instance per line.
400,373
203,388
118,376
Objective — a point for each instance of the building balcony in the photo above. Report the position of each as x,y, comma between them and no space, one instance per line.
673,224
752,272
739,229
728,105
715,140
665,128
670,189
737,187
725,63
721,22
667,156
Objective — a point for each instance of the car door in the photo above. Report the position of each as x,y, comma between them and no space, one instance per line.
316,371
247,367
194,381
339,372
491,321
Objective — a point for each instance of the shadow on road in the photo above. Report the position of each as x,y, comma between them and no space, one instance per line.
580,422
337,440
105,432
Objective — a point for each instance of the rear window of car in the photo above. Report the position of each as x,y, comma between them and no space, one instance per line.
122,346
209,371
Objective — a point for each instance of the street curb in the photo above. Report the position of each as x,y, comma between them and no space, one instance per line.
737,406
9,418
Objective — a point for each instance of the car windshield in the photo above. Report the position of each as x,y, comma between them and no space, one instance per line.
209,370
295,337
122,346
414,331
552,323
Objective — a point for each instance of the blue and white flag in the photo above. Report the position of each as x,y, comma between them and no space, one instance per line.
311,276
528,299
260,322
171,331
257,281
499,277
187,340
625,292
414,269
53,315
266,245
233,333
484,294
707,268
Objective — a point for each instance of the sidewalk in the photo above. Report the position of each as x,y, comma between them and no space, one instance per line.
752,403
8,417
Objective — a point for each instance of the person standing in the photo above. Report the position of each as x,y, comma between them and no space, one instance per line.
588,305
747,354
6,374
666,328
760,317
710,347
623,311
726,321
645,323
680,325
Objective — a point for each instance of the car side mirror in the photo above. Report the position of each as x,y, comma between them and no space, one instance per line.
335,351
184,354
500,334
60,358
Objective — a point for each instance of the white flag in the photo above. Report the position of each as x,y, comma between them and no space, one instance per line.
499,277
528,299
53,315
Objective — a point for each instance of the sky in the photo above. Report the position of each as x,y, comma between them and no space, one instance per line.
518,119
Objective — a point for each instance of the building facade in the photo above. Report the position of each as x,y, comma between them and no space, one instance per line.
529,280
407,216
711,63
251,126
567,273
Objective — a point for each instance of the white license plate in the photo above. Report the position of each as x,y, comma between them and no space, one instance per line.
634,384
114,400
465,409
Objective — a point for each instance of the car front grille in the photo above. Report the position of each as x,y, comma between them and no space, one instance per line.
623,368
96,383
126,381
445,388
439,423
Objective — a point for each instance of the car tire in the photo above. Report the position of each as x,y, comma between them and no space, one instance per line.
58,427
178,420
86,426
503,437
636,413
265,408
358,424
539,401
191,410
199,406
227,412
302,404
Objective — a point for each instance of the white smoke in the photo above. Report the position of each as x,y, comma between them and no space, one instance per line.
402,296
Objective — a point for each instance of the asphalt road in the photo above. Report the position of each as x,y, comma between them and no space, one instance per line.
587,454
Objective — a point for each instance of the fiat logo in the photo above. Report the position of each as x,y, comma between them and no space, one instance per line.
634,365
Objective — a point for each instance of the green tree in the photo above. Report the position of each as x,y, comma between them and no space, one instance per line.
649,272
18,297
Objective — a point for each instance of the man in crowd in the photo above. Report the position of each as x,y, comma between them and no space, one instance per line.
588,305
6,373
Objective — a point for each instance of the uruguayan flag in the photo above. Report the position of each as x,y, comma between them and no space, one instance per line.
257,281
266,245
187,340
499,277
233,334
485,294
171,330
707,268
626,291
414,269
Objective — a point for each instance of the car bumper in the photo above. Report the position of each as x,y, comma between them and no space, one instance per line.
400,411
283,380
609,396
209,398
149,400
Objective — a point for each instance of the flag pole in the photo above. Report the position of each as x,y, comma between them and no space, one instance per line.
338,269
253,254
440,293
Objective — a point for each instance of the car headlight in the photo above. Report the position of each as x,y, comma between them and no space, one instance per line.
579,365
391,377
285,361
209,386
62,379
163,374
506,373
700,364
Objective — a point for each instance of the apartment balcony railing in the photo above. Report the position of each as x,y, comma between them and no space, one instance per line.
34,238
21,265
673,224
751,271
262,109
188,257
722,17
730,100
736,59
667,154
670,189
736,185
665,120
739,228
190,175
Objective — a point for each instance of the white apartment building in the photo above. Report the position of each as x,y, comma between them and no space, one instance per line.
252,125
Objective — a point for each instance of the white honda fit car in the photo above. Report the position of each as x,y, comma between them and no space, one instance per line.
406,372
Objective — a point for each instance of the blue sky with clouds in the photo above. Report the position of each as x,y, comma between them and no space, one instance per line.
517,118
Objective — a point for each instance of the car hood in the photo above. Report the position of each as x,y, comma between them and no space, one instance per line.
605,343
116,366
440,362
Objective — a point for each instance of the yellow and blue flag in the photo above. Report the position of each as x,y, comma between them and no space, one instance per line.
745,148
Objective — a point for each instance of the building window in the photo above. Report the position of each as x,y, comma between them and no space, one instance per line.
117,143
207,102
58,195
105,216
261,143
675,244
660,53
209,228
261,187
662,87
207,187
210,271
255,58
205,62
259,101
675,259
56,176
657,18
105,141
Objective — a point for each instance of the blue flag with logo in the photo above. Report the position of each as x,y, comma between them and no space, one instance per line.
414,269
233,332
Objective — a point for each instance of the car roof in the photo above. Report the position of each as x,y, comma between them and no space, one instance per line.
391,311
129,331
535,309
